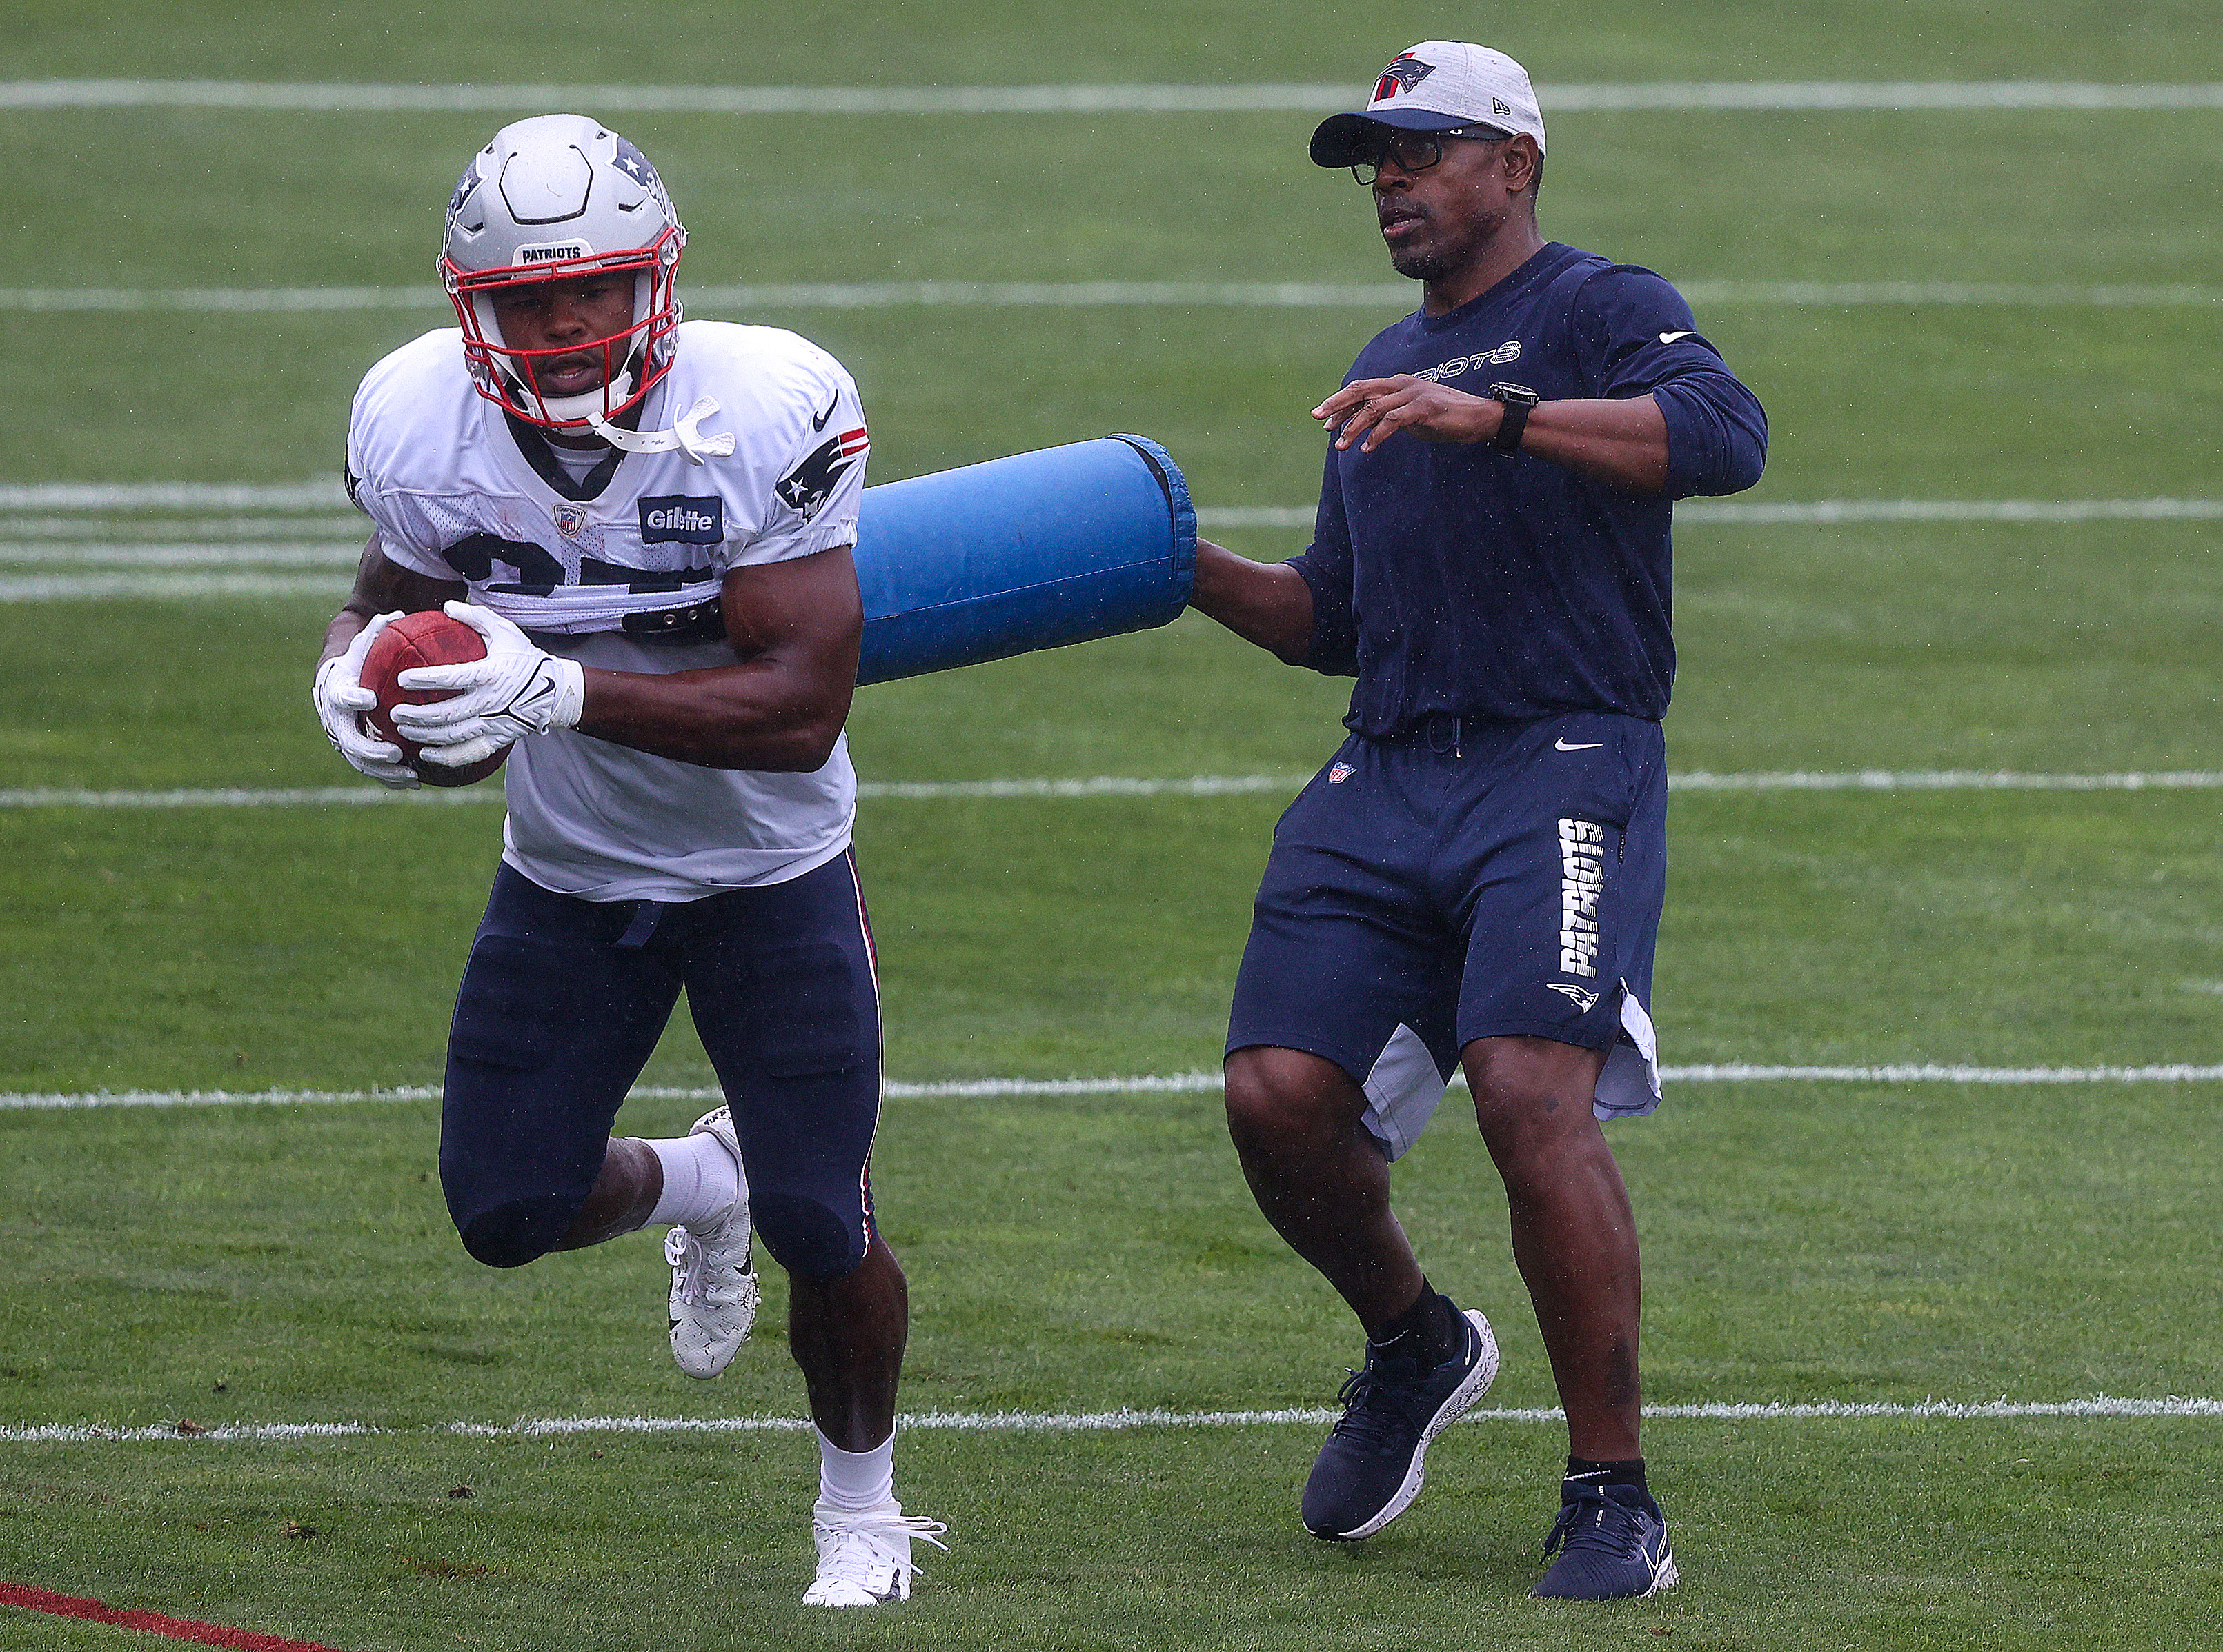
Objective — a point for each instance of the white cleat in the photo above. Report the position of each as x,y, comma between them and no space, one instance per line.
714,1294
864,1560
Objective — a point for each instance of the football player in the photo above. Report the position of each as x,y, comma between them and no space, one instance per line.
649,521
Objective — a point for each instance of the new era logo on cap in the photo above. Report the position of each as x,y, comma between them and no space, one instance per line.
1435,86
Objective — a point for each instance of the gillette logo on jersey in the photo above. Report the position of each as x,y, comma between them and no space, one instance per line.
682,519
1582,880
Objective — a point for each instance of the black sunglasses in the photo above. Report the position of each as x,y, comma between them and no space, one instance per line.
1417,151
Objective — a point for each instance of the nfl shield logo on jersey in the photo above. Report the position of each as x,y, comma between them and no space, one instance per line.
569,518
1341,772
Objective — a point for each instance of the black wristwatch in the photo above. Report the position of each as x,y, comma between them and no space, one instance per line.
1518,399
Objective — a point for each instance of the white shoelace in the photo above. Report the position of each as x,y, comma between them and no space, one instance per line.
687,1256
857,1543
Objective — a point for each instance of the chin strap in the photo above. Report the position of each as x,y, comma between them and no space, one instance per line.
685,434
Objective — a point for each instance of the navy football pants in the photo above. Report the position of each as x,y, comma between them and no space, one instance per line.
561,1005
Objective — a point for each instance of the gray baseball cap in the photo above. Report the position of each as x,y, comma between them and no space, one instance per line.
1435,87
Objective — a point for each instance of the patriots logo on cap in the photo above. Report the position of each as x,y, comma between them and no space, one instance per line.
1403,73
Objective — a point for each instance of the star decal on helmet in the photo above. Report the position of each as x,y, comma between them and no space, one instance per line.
634,165
464,186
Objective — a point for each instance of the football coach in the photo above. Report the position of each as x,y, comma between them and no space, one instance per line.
1474,880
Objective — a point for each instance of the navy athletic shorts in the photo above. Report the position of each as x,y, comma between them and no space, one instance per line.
1474,879
562,1004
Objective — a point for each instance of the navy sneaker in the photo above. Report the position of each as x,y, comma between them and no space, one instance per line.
1370,1469
1612,1545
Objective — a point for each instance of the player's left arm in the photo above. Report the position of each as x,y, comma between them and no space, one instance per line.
795,627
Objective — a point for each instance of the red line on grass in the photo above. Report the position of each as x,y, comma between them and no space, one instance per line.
154,1623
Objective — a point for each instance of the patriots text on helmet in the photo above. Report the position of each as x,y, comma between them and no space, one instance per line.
554,251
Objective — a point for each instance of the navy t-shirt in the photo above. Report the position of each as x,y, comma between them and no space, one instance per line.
1452,578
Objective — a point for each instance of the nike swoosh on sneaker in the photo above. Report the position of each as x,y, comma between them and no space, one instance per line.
1585,745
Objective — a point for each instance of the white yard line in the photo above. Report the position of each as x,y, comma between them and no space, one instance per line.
906,790
319,493
17,531
248,798
2100,1406
1946,780
1099,786
71,553
166,588
350,96
1152,1083
1826,513
1393,297
1864,780
22,497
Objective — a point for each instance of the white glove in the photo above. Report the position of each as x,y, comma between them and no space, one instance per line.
340,699
517,690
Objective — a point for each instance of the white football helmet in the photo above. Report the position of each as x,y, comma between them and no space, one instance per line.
557,196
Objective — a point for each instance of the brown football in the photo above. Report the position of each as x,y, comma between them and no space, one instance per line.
427,638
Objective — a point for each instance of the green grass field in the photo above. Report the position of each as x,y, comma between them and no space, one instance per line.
1805,1242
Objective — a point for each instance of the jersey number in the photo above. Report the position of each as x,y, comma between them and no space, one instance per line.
538,573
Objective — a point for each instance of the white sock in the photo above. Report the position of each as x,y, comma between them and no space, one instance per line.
850,1482
700,1180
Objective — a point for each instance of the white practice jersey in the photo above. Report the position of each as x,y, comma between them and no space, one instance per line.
455,497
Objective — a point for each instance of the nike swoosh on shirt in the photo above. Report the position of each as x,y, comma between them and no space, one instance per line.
1586,745
1669,338
818,420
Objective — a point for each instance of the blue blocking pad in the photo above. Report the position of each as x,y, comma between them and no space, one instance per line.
1032,551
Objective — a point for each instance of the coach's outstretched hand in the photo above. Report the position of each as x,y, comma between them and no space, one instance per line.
1371,411
517,690
340,699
